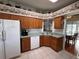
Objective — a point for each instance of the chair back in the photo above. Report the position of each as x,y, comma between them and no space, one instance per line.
75,35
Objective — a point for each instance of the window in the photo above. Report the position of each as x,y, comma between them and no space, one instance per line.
71,29
47,25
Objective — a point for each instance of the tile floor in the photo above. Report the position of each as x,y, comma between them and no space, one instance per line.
46,53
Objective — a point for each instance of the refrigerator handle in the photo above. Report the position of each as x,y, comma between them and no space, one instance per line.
3,35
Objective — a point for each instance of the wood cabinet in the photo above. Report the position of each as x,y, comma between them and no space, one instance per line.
25,44
44,40
52,42
31,23
35,23
56,43
59,22
26,22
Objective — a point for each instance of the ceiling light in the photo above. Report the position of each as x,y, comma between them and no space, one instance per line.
53,0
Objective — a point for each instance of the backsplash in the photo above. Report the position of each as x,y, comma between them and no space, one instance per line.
34,32
58,31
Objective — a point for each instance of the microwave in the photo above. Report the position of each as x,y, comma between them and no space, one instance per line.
24,32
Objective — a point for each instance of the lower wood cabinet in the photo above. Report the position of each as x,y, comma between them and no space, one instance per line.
25,44
44,41
29,43
52,42
56,43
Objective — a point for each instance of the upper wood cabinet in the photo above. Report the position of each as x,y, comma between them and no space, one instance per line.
31,23
26,22
37,23
59,22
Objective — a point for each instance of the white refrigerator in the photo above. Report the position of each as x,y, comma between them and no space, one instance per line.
9,38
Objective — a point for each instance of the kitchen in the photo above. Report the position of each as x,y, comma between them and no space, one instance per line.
38,30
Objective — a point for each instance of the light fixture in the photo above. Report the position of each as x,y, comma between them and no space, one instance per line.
53,1
68,17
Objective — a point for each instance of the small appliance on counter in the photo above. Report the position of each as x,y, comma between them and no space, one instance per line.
24,32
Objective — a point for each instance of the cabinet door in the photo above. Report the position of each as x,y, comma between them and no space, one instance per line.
25,22
56,43
53,43
25,44
40,21
31,23
37,23
60,43
58,22
41,40
44,41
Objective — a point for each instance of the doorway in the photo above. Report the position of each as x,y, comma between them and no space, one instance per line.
72,35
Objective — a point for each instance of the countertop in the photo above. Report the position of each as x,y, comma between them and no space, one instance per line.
24,36
54,35
37,32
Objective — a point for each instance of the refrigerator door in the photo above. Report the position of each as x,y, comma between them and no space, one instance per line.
1,42
12,38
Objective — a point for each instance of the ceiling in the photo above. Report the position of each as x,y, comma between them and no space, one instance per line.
46,4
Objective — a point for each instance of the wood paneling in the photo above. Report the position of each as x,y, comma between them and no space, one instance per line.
59,22
25,44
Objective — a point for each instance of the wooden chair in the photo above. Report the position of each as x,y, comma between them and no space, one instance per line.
70,40
74,38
